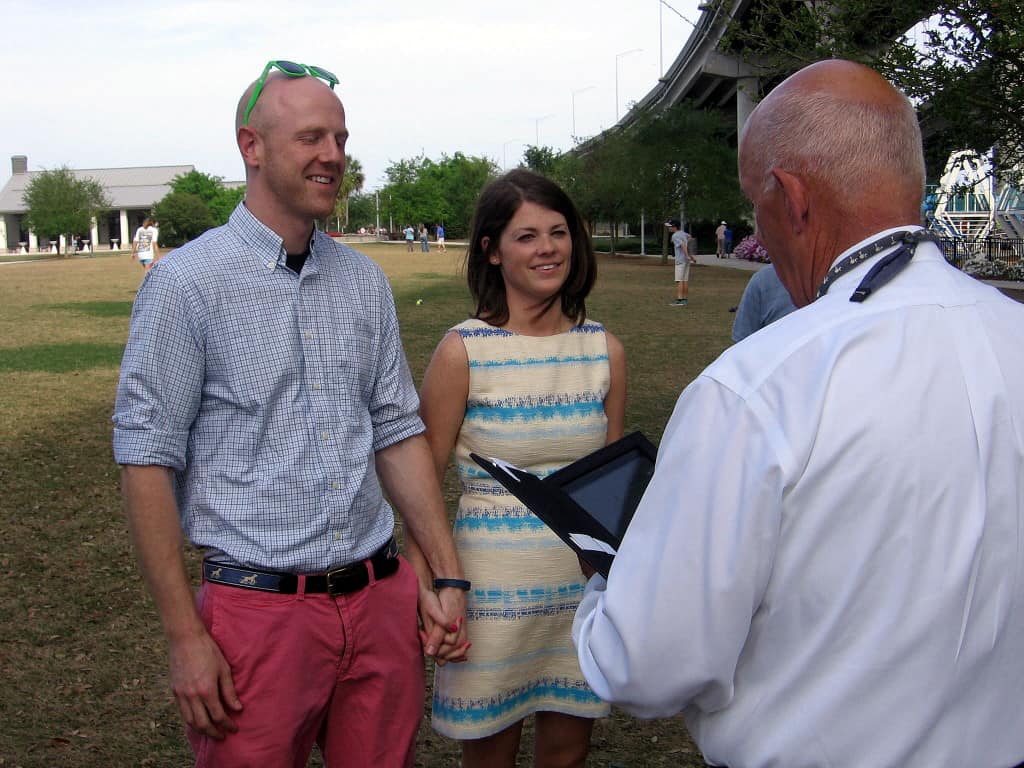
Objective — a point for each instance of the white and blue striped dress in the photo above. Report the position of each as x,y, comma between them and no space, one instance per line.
537,402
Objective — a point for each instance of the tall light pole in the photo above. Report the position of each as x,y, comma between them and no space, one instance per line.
504,153
617,57
536,126
661,52
578,90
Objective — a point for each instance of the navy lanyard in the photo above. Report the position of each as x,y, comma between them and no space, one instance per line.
886,269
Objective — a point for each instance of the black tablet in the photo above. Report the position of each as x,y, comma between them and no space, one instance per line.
610,482
590,502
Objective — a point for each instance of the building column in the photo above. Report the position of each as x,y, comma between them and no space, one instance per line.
3,233
746,92
94,234
126,237
33,241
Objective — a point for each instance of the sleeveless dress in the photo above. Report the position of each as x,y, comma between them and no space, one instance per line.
537,402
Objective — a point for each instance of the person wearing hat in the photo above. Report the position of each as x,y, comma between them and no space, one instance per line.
720,240
681,248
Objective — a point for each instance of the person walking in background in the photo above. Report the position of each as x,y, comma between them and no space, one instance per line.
440,237
728,241
424,239
683,260
144,245
764,300
272,444
532,380
410,237
720,240
826,566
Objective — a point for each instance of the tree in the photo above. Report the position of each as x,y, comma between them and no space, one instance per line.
963,67
681,158
362,210
59,203
351,183
420,190
219,200
543,160
183,216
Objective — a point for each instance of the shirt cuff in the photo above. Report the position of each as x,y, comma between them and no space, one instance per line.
150,448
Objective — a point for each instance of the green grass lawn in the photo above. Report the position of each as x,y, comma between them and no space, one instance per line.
82,658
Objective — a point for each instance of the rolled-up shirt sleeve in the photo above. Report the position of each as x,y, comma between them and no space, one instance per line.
394,404
668,627
161,379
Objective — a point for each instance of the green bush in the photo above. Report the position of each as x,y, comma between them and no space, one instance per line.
183,216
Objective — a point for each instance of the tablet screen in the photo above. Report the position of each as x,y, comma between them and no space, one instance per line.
612,491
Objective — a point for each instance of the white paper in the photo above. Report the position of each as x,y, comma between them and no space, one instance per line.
504,466
589,543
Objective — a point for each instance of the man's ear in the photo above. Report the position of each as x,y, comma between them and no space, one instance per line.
796,198
248,144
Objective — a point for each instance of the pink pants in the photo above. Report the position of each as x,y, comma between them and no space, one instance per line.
345,672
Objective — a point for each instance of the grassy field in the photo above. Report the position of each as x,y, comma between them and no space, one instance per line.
82,658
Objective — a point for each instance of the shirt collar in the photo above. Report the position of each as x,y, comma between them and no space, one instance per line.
860,268
875,236
266,246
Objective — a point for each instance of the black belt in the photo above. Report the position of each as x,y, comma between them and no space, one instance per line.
340,581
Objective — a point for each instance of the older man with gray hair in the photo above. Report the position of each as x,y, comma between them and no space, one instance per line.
826,567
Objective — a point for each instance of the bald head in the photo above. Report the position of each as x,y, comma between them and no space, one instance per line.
843,126
262,112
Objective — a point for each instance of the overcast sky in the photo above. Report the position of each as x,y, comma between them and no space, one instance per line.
107,83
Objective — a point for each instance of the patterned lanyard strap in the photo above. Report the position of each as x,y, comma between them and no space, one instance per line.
886,269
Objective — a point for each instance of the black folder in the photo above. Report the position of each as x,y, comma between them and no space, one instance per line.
590,502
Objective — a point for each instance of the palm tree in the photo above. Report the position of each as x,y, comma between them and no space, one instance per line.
353,182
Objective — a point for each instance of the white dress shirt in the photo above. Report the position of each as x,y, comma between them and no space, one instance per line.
828,566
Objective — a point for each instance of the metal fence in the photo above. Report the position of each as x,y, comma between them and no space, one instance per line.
1009,250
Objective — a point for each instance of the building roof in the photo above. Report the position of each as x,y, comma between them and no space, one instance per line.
125,187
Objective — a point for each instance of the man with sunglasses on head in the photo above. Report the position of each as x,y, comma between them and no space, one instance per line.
264,419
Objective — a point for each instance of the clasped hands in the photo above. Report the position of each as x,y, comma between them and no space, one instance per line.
443,624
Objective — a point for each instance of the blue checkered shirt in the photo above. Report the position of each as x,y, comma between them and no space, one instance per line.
268,394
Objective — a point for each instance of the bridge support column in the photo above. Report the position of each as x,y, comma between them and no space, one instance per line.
746,93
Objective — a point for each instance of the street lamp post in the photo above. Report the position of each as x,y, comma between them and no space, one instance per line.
504,153
578,90
617,57
536,126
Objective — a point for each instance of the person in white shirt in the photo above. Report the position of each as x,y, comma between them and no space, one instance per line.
720,240
826,569
144,245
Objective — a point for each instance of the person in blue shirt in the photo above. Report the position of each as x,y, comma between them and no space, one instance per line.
765,300
265,407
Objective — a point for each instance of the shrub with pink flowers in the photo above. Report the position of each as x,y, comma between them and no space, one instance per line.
750,248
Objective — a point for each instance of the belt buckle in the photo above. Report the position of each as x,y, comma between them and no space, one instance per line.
341,575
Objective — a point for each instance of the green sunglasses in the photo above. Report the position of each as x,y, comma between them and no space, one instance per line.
291,69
